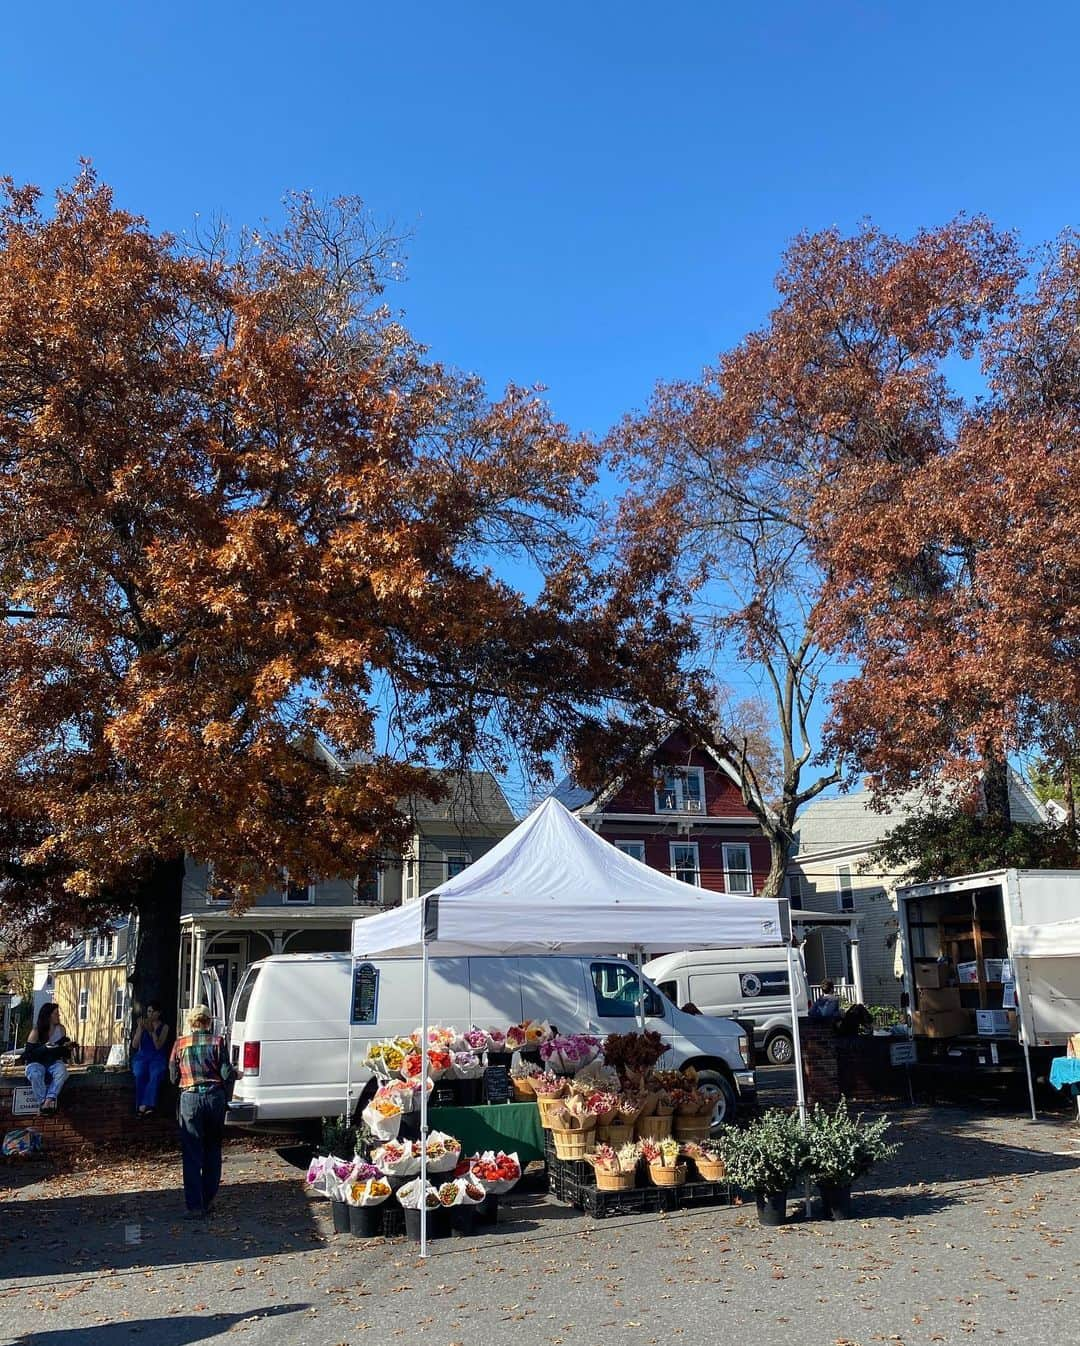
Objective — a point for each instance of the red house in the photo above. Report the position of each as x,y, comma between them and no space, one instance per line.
686,817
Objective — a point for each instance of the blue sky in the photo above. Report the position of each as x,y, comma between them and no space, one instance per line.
597,194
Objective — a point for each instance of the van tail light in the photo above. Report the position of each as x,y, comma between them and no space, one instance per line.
252,1053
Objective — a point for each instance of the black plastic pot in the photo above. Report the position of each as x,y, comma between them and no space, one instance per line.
462,1221
438,1224
772,1207
340,1211
487,1212
836,1198
366,1222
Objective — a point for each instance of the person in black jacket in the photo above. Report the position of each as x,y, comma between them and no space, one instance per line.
47,1050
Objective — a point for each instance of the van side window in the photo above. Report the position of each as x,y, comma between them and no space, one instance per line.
616,989
670,989
243,996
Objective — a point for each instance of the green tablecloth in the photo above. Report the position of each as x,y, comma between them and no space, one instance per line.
513,1127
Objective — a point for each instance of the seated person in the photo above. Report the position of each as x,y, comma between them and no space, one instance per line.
47,1050
827,1005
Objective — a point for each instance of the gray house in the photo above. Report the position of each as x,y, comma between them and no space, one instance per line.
317,917
827,871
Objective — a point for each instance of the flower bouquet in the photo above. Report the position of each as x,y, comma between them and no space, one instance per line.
315,1178
411,1196
570,1054
461,1192
382,1115
549,1090
596,1075
515,1038
443,1152
663,1159
522,1077
604,1106
476,1040
573,1128
498,1172
537,1032
693,1114
466,1066
367,1187
633,1053
497,1042
437,1036
621,1127
440,1062
396,1159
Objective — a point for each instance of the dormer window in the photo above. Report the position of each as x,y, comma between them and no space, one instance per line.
100,948
683,790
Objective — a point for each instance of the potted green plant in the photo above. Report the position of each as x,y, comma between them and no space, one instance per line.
766,1158
841,1149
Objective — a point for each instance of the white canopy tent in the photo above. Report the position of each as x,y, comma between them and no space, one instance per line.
554,886
1054,939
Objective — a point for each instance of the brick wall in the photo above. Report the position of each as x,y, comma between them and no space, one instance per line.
857,1068
97,1111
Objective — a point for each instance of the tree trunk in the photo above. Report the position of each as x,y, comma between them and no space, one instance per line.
779,853
996,789
157,912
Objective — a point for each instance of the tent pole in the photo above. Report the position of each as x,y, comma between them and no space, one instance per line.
348,1061
640,988
1021,1024
423,1093
796,1039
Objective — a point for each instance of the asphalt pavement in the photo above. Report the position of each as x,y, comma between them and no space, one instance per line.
972,1234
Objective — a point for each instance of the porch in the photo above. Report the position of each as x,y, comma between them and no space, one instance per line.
830,948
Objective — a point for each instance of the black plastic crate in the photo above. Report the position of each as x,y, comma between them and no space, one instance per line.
393,1221
638,1201
705,1194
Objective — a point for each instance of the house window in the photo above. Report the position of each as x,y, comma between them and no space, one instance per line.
84,1005
845,895
297,894
454,863
118,1003
368,886
795,891
217,895
101,947
683,790
634,848
684,861
738,876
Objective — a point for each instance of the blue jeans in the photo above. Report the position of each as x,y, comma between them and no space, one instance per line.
202,1125
46,1081
149,1072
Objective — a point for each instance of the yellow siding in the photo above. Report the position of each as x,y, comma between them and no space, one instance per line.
101,1029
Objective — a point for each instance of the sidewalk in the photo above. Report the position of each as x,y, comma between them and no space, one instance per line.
968,1236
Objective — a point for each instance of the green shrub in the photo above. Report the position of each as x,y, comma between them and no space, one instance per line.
841,1147
768,1155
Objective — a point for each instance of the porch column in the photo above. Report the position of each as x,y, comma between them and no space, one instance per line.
856,965
278,941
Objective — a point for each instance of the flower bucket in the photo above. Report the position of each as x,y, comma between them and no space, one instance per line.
692,1128
836,1199
547,1106
615,1134
667,1177
366,1222
573,1144
615,1182
340,1210
462,1221
469,1092
438,1224
711,1170
523,1090
772,1207
652,1128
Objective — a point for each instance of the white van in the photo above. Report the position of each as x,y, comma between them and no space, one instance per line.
747,984
289,1026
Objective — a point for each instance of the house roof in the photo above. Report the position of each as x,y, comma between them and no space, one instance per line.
77,958
851,821
475,798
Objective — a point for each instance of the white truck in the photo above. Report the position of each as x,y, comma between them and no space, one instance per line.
986,971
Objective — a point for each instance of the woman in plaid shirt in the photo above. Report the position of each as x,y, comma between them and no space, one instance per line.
199,1064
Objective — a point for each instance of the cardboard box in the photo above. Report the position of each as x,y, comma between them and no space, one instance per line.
943,1023
992,1022
932,974
939,998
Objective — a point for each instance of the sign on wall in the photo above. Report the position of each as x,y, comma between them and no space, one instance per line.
23,1103
365,994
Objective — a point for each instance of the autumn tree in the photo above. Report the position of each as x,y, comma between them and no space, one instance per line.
745,471
241,510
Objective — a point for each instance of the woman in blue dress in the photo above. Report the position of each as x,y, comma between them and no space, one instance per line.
149,1060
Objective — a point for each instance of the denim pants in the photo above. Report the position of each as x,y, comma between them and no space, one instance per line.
149,1071
202,1124
46,1081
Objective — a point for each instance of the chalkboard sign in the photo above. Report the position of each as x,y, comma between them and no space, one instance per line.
365,994
498,1087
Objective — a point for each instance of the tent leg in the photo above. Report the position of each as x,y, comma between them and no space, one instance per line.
423,1094
796,1039
348,1060
640,952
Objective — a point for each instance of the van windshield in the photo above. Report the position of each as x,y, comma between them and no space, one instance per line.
616,987
243,996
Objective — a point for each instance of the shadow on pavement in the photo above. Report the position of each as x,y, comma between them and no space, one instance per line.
79,1235
176,1331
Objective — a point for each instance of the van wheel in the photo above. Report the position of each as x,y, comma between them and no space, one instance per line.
779,1048
723,1092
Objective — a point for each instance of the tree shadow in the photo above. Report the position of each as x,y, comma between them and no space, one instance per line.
76,1236
179,1330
